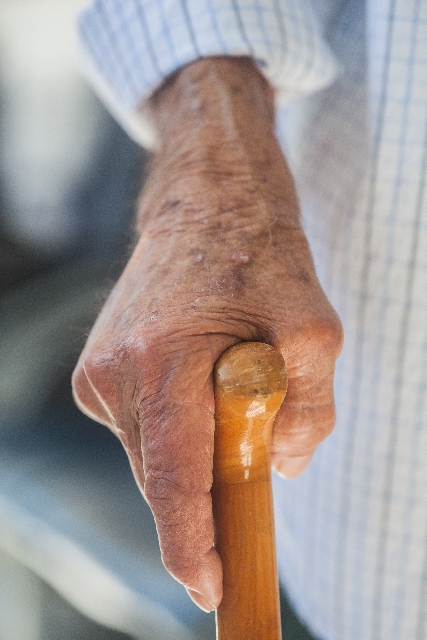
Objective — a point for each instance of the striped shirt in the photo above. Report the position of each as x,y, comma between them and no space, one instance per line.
352,118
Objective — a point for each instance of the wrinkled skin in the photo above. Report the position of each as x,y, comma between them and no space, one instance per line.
221,258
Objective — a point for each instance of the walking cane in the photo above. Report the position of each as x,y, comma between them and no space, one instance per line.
250,385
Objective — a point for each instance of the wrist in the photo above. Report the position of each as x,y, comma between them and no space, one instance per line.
214,103
215,121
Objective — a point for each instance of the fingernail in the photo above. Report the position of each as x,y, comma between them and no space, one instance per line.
291,467
201,602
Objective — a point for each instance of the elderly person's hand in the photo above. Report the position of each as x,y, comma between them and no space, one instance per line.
221,258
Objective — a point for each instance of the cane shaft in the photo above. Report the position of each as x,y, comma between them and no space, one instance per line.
250,386
250,607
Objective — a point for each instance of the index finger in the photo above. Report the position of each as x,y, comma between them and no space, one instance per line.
176,422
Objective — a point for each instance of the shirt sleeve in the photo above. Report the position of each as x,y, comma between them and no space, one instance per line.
128,47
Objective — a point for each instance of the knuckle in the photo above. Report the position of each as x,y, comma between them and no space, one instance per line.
99,361
87,400
163,486
120,366
325,336
111,386
80,384
181,566
175,483
182,551
334,334
311,357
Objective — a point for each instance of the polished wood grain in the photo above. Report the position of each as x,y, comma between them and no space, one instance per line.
250,385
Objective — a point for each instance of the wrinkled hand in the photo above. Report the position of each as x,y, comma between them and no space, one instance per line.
221,258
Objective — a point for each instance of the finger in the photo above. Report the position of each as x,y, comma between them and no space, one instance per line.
305,419
177,445
160,397
307,416
176,418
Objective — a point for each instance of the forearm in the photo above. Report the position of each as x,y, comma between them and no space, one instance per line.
215,122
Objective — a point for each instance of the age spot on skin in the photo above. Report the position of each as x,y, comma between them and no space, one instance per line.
236,89
302,275
233,282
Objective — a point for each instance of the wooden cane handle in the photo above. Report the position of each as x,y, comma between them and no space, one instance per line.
250,385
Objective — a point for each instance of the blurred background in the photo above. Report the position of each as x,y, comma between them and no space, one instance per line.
78,549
